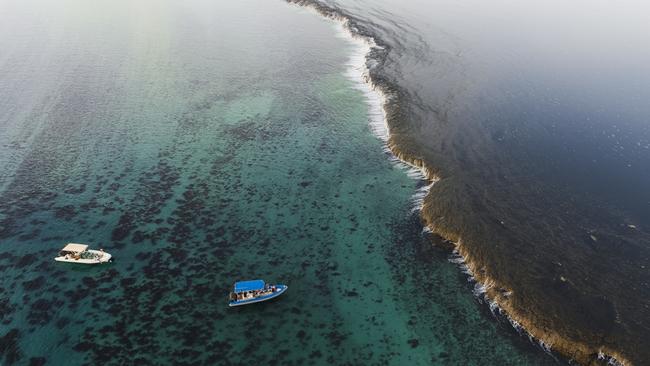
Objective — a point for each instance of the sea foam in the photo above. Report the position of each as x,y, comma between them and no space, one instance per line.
358,71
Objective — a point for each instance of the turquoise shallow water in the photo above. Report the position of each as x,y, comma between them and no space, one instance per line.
201,144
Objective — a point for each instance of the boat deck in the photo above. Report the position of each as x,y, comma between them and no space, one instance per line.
262,295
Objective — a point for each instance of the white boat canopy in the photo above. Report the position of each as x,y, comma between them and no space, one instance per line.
75,248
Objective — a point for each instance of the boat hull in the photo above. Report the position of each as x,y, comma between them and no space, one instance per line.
104,257
281,289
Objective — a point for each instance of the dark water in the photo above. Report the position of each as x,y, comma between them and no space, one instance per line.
535,116
202,143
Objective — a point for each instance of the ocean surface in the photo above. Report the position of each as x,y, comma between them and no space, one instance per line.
201,143
534,118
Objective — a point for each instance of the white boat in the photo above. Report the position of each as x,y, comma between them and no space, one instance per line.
79,253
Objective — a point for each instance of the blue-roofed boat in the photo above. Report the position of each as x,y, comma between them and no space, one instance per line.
249,292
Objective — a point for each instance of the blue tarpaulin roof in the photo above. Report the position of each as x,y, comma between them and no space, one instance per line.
249,285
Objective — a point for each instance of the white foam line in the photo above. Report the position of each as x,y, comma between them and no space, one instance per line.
480,293
609,359
376,99
358,72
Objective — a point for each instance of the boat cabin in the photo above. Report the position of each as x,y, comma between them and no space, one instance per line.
248,292
245,290
73,250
